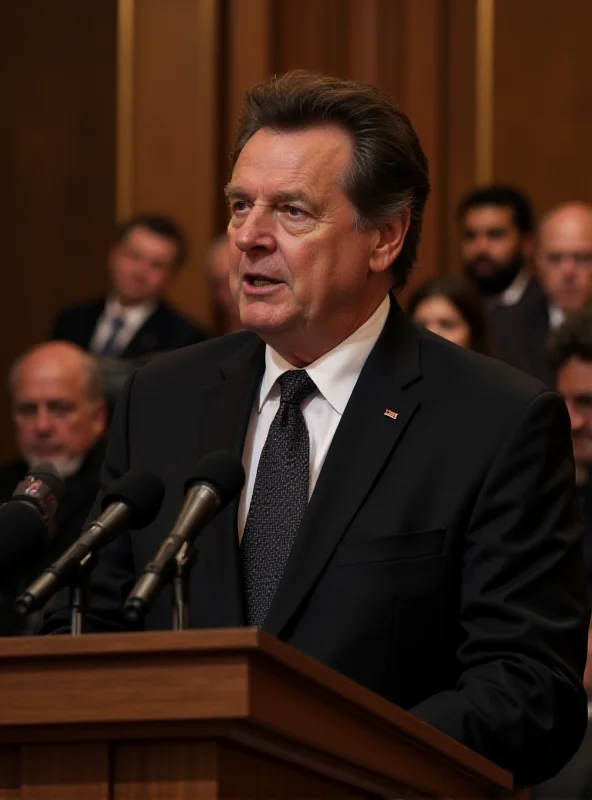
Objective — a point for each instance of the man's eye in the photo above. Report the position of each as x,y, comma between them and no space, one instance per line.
238,206
293,212
26,411
60,409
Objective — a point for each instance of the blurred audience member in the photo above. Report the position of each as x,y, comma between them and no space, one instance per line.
451,307
574,782
226,314
563,258
59,417
134,320
496,225
570,354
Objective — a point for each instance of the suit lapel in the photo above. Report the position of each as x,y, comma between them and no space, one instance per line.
90,320
229,403
365,438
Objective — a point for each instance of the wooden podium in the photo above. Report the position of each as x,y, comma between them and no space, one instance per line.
211,714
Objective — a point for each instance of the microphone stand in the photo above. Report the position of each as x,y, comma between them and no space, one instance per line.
184,561
79,592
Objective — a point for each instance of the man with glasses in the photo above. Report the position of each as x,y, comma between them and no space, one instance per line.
563,257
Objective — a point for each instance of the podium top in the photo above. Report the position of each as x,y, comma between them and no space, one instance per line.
164,683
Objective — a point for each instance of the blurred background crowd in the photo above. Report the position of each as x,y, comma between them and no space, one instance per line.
119,117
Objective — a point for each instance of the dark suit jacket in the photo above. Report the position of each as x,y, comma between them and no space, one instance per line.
521,332
439,562
73,509
165,329
574,782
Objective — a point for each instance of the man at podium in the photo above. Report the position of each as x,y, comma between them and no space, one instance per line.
409,514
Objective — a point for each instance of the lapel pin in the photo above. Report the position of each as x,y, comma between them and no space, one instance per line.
391,414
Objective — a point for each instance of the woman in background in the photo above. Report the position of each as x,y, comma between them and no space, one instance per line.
450,307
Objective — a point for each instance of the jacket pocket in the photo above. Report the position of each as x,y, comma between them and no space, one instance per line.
397,546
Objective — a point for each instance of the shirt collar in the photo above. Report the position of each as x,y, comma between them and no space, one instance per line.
129,314
516,289
556,316
336,372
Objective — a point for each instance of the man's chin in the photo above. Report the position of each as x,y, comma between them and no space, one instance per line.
263,320
63,464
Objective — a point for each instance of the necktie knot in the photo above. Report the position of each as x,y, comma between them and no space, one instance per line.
296,385
109,348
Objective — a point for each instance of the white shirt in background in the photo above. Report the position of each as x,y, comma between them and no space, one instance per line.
133,318
513,294
556,317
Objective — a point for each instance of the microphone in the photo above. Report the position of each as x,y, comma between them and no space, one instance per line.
132,502
214,482
27,519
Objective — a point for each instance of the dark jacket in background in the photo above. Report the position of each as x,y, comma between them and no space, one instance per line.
165,329
521,331
73,510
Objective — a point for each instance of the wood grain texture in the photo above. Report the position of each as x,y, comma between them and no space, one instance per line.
542,90
166,771
459,122
57,68
65,772
421,94
176,128
10,772
261,694
245,772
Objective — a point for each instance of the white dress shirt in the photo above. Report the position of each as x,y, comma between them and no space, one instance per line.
556,316
335,374
133,318
514,292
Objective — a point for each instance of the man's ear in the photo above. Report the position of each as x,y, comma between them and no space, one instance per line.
390,240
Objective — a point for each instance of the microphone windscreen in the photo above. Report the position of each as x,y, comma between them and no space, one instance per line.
49,475
23,536
223,470
142,491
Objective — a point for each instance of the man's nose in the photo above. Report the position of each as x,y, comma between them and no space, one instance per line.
43,422
576,419
568,267
256,230
481,244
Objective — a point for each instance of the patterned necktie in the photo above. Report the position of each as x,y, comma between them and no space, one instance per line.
280,497
109,350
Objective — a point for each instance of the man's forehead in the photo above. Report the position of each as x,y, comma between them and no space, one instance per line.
488,215
575,376
49,384
311,155
565,235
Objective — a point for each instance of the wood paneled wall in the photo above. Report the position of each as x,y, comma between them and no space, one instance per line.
543,98
57,138
117,106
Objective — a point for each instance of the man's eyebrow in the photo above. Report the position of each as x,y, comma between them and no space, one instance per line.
233,192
